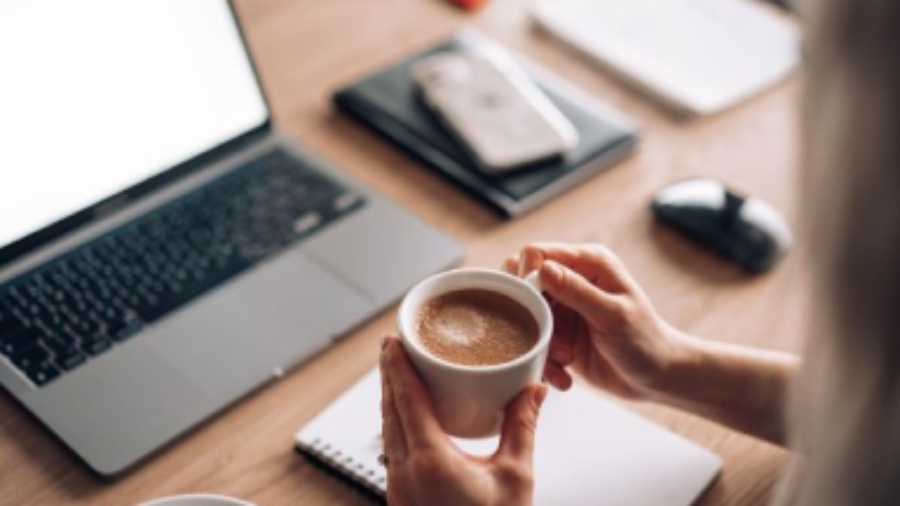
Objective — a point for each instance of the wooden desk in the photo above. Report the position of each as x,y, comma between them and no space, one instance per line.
307,48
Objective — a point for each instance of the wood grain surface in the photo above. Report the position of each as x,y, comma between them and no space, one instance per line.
304,50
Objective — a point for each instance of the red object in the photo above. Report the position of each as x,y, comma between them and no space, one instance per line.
469,4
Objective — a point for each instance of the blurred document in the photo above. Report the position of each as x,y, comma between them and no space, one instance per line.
698,56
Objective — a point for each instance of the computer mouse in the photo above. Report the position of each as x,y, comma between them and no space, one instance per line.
743,229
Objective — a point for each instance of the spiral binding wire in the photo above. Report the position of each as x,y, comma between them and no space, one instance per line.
371,479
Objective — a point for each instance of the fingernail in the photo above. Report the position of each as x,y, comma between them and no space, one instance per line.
540,395
385,341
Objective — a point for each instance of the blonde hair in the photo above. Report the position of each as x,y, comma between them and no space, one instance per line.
846,409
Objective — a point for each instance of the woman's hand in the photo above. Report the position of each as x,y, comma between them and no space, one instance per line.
423,464
605,328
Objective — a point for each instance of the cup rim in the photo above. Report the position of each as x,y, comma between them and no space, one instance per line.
539,346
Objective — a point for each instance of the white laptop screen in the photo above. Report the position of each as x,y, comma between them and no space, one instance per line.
97,96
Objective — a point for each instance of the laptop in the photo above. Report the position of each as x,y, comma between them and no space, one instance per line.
164,249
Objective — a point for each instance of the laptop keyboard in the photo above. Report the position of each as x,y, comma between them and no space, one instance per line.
57,317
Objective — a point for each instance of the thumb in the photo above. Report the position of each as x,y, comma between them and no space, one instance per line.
519,424
574,291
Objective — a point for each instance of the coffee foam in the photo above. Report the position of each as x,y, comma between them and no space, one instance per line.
476,327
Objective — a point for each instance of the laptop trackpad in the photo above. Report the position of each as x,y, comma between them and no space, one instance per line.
269,319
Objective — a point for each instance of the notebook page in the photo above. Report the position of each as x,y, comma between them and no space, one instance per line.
589,450
348,433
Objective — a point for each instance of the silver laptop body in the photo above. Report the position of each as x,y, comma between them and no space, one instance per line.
129,400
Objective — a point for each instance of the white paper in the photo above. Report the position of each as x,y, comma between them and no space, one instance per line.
590,451
697,55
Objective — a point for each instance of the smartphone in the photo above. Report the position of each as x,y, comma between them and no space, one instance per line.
492,106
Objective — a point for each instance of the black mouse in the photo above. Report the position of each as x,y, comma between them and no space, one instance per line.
745,230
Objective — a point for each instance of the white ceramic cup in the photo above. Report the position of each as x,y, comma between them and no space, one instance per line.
470,400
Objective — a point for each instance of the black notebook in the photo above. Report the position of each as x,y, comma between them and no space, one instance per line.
389,103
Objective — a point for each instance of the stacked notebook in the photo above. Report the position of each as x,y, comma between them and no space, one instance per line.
589,451
391,105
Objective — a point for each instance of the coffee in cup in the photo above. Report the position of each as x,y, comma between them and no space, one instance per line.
477,338
476,327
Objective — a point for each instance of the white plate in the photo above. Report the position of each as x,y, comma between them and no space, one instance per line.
196,500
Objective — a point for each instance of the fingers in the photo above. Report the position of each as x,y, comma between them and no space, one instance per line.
391,430
575,292
511,265
565,328
561,350
595,262
531,258
416,417
557,376
519,424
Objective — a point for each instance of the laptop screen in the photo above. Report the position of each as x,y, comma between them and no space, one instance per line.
98,96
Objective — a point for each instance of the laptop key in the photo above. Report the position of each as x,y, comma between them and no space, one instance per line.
123,330
42,373
31,357
85,327
70,361
59,346
9,324
95,345
19,341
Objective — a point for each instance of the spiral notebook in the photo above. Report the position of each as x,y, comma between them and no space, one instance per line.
590,451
